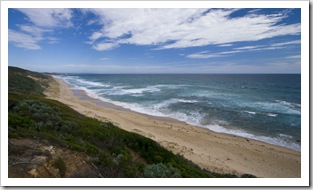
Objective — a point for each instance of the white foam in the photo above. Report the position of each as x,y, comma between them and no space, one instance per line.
120,87
289,104
77,83
254,113
271,114
187,101
126,90
156,110
170,86
285,136
141,90
167,103
277,107
192,118
65,77
114,92
280,141
132,106
250,112
91,83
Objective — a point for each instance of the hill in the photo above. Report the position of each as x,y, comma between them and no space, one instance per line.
24,81
49,139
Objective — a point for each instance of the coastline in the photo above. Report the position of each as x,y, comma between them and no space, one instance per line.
221,153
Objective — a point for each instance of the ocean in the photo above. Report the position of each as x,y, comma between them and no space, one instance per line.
264,107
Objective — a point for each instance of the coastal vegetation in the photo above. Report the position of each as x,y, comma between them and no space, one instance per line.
65,134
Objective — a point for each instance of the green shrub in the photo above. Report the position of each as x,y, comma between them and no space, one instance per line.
68,126
43,115
91,149
161,171
16,121
107,124
60,165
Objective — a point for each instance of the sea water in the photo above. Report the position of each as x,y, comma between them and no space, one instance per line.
265,107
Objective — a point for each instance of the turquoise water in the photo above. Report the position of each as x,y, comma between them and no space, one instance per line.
262,107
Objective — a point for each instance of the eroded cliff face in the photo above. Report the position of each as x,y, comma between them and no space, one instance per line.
34,158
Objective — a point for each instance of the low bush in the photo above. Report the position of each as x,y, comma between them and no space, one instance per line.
16,121
60,165
161,171
43,116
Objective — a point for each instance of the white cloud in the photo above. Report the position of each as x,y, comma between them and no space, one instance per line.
53,40
48,17
254,11
225,45
206,55
104,46
181,28
294,57
33,30
91,22
247,47
24,40
288,43
95,36
203,56
29,37
43,22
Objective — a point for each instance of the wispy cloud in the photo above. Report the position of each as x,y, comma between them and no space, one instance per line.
104,46
33,30
48,17
53,40
254,11
42,23
287,43
294,57
24,40
224,45
275,46
205,55
182,28
247,47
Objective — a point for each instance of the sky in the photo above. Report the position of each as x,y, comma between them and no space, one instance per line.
155,40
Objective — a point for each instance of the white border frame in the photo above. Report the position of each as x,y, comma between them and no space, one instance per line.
303,181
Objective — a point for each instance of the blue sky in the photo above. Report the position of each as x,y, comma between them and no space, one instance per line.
155,40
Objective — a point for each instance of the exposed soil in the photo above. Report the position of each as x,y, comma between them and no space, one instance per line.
30,158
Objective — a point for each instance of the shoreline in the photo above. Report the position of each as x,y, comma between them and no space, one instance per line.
217,152
82,95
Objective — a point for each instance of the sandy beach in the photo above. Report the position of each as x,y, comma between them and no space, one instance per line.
216,152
